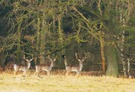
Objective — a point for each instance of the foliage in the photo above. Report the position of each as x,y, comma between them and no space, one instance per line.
57,27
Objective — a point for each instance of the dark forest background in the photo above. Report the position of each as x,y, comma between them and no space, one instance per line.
101,30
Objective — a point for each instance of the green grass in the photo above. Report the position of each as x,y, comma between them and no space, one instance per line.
60,83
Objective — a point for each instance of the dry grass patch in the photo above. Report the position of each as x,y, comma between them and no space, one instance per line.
61,83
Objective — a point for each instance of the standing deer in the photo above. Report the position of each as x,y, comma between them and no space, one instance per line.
45,67
24,68
77,68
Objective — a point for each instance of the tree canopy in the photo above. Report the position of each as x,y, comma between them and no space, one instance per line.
57,27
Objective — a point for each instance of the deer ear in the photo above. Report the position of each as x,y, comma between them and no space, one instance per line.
31,59
84,58
55,58
49,57
27,60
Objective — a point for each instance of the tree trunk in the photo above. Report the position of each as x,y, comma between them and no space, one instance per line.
102,53
122,54
38,42
112,61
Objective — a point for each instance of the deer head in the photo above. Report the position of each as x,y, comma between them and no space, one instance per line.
80,59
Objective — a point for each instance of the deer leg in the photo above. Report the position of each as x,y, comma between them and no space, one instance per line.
48,73
67,73
24,74
37,73
15,72
77,74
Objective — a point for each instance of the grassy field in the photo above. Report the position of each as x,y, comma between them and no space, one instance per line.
60,83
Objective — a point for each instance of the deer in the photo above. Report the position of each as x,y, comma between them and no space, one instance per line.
77,68
23,68
45,67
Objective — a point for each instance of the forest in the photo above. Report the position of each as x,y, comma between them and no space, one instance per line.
103,31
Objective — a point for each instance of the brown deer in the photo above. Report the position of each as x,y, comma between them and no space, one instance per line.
77,68
45,67
23,68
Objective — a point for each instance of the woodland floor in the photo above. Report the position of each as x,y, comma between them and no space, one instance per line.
57,82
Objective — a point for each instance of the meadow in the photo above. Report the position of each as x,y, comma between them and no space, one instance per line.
57,82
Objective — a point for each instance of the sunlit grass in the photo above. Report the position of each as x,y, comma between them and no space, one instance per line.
57,82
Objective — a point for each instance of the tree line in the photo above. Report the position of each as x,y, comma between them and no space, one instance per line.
103,30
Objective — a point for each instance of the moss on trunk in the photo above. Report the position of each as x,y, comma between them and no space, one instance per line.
112,61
